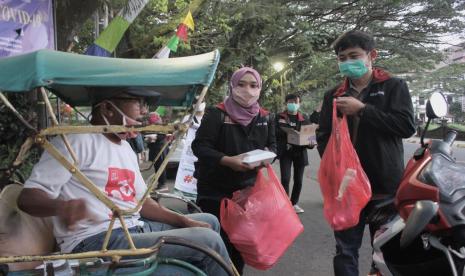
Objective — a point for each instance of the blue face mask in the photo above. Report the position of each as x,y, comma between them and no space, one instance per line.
293,107
354,68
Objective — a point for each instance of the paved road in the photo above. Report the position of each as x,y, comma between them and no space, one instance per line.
312,252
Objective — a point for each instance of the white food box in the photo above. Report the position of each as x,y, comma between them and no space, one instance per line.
258,157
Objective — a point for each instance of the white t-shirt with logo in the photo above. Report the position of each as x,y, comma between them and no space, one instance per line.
113,168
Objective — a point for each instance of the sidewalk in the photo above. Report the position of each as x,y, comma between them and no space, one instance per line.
416,140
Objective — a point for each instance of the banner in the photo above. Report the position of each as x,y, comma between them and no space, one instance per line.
185,180
26,26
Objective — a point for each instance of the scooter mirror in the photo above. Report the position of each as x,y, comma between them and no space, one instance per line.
436,106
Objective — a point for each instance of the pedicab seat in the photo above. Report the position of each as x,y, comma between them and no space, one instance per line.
20,233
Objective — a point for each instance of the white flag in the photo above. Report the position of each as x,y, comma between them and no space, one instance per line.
163,53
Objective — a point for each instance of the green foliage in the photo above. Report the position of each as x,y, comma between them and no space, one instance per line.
300,34
14,133
457,126
455,109
433,126
448,79
86,40
297,33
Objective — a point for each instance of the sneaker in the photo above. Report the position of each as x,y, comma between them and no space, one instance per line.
162,188
298,210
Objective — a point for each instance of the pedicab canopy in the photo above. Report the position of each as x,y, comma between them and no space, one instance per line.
74,78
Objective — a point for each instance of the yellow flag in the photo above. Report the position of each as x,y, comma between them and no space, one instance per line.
189,21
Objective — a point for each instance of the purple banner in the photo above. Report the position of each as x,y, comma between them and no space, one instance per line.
25,26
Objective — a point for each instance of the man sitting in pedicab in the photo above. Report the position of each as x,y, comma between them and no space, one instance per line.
80,220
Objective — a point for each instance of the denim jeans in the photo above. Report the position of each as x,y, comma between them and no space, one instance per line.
149,234
348,243
213,207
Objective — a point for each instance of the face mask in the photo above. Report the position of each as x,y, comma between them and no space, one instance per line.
293,107
245,96
353,69
127,121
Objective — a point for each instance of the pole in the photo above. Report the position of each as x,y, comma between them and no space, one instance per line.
54,11
284,82
42,119
96,24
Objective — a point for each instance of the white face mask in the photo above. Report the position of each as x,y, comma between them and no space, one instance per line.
127,121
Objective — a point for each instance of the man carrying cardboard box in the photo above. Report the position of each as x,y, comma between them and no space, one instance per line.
294,135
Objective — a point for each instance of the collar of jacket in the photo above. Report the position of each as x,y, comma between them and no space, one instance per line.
379,75
285,116
263,112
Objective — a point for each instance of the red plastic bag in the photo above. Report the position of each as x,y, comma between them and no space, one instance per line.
260,221
345,187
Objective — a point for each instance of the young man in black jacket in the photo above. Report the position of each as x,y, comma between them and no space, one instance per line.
292,155
380,113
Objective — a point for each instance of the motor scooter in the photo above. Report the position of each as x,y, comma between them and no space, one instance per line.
427,234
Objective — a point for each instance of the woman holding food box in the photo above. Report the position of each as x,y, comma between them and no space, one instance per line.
294,135
228,130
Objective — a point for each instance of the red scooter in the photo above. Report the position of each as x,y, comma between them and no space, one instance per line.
427,236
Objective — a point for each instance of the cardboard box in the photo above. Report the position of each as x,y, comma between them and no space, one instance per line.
306,135
258,157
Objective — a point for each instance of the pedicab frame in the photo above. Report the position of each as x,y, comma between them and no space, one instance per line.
73,77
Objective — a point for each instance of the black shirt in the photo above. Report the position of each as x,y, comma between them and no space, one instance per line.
218,136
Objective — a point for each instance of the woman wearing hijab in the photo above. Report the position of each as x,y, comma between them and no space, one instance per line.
233,127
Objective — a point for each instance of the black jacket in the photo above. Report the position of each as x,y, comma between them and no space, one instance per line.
387,118
218,136
298,154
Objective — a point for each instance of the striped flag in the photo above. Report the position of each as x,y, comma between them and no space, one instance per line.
181,34
106,43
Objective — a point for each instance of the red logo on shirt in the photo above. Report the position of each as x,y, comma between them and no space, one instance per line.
120,184
188,178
